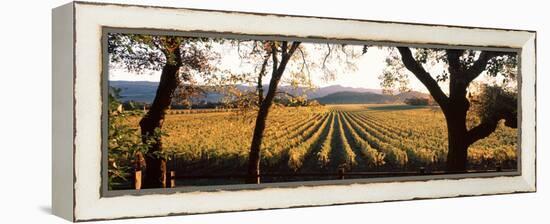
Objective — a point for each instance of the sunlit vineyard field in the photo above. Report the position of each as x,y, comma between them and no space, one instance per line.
323,138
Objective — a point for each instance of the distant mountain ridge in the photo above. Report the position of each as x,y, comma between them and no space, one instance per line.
141,91
347,97
144,91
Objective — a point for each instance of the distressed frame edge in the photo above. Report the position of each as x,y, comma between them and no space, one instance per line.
63,130
528,68
296,16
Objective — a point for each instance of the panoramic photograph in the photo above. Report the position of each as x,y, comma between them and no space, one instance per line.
204,111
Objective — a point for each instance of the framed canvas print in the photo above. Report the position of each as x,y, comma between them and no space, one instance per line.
161,111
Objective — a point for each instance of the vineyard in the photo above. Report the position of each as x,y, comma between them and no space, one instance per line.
324,138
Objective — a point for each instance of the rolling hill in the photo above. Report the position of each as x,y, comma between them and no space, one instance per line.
347,97
142,91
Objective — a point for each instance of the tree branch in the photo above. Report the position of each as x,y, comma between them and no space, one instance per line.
365,49
478,66
284,47
286,55
327,55
274,56
481,64
412,65
453,57
157,45
260,77
304,62
293,48
481,131
488,126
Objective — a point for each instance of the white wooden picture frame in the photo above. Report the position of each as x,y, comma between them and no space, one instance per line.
77,191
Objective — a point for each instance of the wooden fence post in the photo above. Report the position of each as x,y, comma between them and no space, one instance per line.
137,179
341,173
138,170
173,171
172,179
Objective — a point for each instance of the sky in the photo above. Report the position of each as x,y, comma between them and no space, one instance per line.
368,68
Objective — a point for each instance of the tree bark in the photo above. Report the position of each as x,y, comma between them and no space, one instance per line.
255,147
457,155
155,172
455,114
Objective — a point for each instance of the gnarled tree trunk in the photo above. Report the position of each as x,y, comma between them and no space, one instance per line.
458,146
155,172
455,115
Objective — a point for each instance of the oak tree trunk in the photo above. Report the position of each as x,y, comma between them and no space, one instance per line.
455,115
457,156
155,172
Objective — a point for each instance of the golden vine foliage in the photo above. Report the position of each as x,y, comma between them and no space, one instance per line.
361,137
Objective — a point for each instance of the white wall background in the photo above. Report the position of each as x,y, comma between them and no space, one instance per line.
25,112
